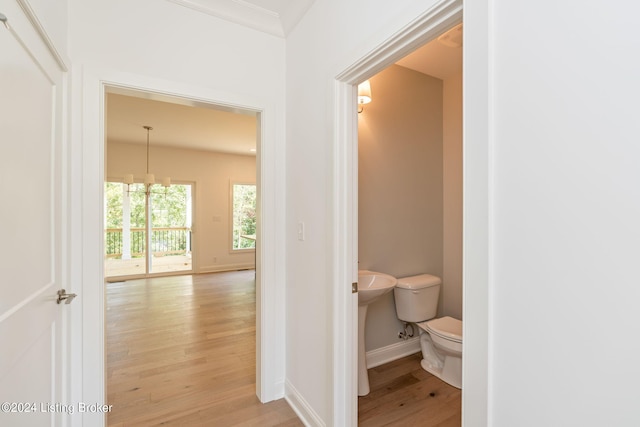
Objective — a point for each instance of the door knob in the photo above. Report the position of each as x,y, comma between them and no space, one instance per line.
64,296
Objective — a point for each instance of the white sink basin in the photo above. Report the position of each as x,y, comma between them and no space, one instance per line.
372,285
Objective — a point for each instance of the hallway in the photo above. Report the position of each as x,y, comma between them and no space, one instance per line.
181,351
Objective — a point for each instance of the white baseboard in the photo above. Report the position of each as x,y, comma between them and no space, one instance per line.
278,389
300,406
392,352
376,357
227,267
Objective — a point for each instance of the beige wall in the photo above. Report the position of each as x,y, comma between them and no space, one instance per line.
212,174
400,222
452,196
410,189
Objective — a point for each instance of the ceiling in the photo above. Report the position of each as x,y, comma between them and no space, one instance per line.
440,58
277,17
177,123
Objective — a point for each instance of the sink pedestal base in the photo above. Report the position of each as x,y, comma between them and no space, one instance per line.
363,375
371,286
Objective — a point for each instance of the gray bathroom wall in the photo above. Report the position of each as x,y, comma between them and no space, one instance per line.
400,163
452,196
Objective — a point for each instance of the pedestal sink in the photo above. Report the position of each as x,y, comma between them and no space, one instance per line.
371,286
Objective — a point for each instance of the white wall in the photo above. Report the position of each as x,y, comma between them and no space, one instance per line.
565,214
168,41
400,223
551,194
163,47
326,41
551,206
211,174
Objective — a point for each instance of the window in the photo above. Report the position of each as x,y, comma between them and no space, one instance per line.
243,202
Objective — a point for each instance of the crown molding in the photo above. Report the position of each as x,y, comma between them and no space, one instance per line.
277,22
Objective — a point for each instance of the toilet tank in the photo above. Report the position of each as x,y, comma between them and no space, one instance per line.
417,297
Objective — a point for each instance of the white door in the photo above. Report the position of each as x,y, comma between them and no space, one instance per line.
31,226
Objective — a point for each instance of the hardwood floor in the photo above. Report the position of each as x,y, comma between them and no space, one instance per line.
403,394
181,351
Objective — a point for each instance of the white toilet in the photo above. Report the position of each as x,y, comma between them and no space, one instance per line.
440,339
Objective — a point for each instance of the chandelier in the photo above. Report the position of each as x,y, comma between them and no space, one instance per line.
149,178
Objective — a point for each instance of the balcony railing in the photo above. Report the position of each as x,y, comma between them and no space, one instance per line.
164,241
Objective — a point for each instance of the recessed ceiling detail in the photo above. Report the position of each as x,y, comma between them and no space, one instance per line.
453,37
438,59
276,17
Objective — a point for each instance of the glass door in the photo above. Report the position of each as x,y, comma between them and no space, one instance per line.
125,229
160,220
170,238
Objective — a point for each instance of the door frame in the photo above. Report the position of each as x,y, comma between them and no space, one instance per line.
476,244
89,96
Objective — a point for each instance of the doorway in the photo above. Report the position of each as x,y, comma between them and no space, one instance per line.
437,20
167,206
192,152
197,150
409,154
89,324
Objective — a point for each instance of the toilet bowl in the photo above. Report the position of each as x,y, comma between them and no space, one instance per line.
416,299
441,345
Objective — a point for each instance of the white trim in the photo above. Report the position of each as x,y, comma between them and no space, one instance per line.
269,281
276,22
443,15
392,352
93,300
303,410
345,241
477,213
226,267
240,12
37,25
40,53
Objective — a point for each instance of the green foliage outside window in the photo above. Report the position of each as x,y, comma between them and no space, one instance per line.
244,216
168,210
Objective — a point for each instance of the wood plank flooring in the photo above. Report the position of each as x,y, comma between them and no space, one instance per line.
404,394
181,352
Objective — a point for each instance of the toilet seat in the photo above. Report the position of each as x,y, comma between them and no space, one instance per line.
447,328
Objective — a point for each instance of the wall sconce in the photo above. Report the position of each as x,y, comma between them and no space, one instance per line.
364,95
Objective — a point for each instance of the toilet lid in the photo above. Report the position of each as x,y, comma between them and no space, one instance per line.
446,327
418,282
